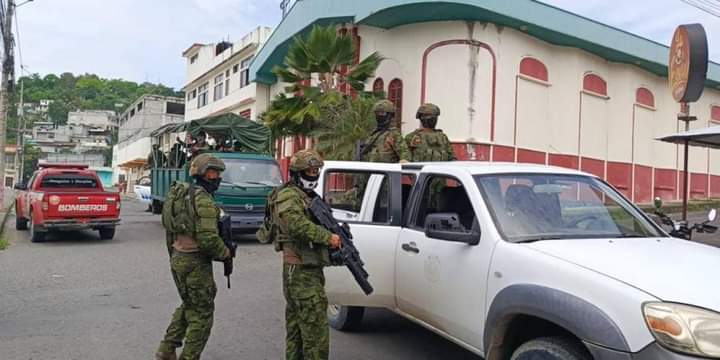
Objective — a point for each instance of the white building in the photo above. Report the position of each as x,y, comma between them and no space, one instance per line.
93,118
218,78
523,81
146,114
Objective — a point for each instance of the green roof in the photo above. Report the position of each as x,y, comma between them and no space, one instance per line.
545,22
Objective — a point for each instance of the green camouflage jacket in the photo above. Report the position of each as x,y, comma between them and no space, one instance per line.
296,228
431,145
206,227
387,146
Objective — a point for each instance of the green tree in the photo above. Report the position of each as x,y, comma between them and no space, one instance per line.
329,58
346,121
32,157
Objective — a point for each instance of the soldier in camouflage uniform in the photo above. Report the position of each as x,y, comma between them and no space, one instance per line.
385,143
191,259
304,246
428,143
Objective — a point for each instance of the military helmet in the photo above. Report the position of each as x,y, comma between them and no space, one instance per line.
305,159
384,106
428,109
203,162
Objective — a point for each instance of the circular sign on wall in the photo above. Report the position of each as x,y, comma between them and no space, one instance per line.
688,63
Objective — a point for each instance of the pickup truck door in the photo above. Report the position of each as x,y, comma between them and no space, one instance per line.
443,283
370,202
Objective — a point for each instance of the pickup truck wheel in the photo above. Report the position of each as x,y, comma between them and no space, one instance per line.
551,348
345,318
21,223
35,236
107,233
156,207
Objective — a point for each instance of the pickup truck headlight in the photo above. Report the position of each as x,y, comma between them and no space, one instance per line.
685,329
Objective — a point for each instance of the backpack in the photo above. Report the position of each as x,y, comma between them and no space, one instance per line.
268,231
178,211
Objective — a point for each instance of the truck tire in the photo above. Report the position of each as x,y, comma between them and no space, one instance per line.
21,223
157,207
35,236
551,348
107,233
345,318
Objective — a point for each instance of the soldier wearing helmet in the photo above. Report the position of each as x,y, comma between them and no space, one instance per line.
190,218
428,143
304,246
385,144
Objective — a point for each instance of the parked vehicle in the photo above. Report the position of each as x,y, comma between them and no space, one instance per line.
250,174
62,197
519,262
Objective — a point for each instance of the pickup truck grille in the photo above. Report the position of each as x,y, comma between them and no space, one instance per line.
244,209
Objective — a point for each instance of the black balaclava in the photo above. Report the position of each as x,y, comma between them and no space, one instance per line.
211,186
383,119
428,122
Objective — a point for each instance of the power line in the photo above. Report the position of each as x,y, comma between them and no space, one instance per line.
17,42
703,7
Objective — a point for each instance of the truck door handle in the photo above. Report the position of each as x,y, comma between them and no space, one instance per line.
411,247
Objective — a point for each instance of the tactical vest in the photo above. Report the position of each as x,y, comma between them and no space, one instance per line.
382,150
428,146
271,232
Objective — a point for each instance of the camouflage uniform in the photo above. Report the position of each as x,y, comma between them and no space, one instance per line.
191,266
304,245
386,143
427,143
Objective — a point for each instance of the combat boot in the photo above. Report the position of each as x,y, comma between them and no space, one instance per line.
165,356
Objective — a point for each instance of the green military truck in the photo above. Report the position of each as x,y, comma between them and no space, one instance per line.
251,172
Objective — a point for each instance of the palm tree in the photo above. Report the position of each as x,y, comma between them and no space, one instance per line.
328,57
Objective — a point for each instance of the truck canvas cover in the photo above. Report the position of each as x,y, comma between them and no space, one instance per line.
250,135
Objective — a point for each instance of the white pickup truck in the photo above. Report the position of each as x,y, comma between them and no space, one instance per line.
521,262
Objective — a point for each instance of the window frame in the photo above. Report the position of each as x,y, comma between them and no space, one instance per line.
394,194
424,179
218,84
203,95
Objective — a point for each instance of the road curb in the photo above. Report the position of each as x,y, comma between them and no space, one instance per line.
5,218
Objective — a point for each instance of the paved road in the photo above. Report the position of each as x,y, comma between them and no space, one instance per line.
77,297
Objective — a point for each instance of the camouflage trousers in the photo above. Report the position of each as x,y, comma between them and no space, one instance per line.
192,321
308,335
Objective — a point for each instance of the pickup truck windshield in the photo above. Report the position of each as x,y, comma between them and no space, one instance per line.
68,181
533,207
252,173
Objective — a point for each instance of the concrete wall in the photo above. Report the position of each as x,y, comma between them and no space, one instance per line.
91,118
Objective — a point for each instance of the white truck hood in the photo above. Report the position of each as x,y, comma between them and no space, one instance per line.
670,269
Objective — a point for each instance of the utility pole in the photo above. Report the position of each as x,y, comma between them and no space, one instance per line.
20,138
8,69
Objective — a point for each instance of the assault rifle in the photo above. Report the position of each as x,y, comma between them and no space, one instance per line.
225,228
348,254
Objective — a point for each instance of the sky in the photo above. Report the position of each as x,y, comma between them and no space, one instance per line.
142,40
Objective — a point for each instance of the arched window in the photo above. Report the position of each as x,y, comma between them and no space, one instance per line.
534,68
645,97
379,86
715,113
595,84
395,94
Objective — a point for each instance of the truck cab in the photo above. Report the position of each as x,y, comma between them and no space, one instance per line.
246,182
515,261
62,197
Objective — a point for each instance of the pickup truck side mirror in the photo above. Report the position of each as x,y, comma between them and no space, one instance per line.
19,186
447,226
